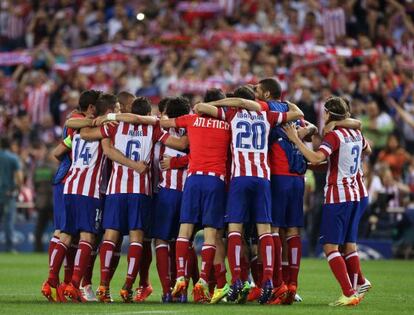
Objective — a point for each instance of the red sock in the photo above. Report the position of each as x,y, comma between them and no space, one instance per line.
257,271
163,267
285,271
106,254
134,258
192,265
82,260
207,258
52,243
338,267
69,262
295,254
277,270
361,278
267,253
244,268
181,255
87,278
234,250
353,268
220,275
212,280
56,260
173,266
115,261
145,264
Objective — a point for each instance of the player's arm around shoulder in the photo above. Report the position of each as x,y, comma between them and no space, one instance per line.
312,156
78,123
206,109
177,143
250,105
117,156
135,119
294,112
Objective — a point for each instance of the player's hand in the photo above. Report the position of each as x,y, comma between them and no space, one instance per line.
329,127
165,162
141,167
100,120
291,132
197,108
302,132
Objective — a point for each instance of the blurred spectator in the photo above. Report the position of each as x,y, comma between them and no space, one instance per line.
11,179
44,169
377,126
394,156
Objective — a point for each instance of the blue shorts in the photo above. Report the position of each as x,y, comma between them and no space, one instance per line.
58,206
203,201
339,223
83,214
249,200
287,200
127,212
363,205
166,215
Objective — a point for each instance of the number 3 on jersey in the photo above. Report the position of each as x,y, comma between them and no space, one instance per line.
132,150
251,135
355,152
84,153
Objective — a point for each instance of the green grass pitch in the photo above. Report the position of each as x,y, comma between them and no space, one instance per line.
21,276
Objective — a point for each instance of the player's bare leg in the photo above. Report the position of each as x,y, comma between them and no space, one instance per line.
181,253
266,248
353,266
222,287
338,267
106,254
136,238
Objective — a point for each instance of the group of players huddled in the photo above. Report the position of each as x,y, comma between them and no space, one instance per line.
234,167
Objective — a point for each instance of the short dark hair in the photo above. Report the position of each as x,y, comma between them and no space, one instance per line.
214,95
88,97
141,106
245,92
336,107
4,143
104,102
272,86
177,106
124,97
347,102
162,105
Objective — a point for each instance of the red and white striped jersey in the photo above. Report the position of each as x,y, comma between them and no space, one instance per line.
85,173
137,143
173,178
250,137
343,147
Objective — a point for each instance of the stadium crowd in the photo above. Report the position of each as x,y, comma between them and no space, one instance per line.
53,50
